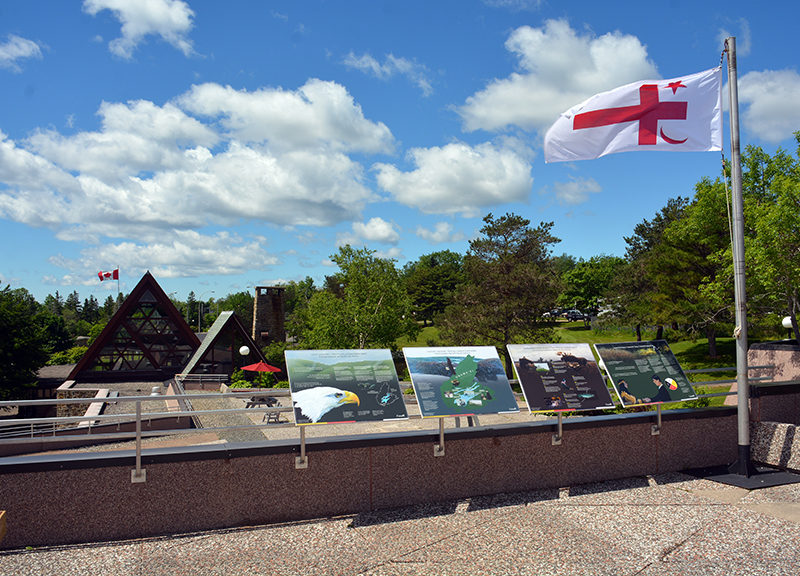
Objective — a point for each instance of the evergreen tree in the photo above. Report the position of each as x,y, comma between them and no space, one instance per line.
509,283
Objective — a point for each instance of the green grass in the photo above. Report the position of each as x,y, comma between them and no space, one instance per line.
426,335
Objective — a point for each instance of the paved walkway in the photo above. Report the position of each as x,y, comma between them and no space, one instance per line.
670,524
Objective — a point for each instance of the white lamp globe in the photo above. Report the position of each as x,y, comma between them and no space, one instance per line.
244,350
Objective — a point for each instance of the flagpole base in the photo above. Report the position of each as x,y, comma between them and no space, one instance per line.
743,466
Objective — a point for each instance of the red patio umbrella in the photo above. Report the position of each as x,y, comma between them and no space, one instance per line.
261,367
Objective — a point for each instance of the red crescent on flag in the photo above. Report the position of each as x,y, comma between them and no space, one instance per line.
669,140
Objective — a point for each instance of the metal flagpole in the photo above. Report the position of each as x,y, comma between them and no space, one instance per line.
743,465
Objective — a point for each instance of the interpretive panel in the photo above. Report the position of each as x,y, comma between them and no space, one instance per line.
344,386
459,381
645,372
559,377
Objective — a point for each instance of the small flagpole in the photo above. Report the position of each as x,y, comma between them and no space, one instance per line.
743,465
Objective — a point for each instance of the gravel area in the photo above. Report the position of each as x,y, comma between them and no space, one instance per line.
662,525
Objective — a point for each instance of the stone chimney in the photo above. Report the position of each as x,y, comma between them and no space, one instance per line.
268,315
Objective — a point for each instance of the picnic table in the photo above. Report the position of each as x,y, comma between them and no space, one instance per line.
268,402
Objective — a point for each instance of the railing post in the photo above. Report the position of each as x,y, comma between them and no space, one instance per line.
138,474
301,462
655,429
557,437
438,449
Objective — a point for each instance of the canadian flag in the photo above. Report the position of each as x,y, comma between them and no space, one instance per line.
113,275
681,114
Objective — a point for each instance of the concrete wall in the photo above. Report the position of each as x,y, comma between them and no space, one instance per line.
68,498
89,497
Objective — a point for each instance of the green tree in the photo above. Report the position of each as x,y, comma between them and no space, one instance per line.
297,294
370,307
109,308
586,284
773,248
632,293
431,282
692,286
509,284
239,302
23,341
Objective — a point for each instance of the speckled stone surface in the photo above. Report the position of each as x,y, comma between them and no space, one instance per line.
660,525
775,444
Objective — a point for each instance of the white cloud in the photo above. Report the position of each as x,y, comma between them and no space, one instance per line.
183,253
377,230
576,191
392,65
770,98
442,232
559,68
137,136
317,113
16,48
458,178
169,19
150,170
393,253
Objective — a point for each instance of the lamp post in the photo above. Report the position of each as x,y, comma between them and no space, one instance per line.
200,308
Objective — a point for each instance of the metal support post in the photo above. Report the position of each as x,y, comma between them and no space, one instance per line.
557,437
301,462
438,449
138,475
655,429
743,466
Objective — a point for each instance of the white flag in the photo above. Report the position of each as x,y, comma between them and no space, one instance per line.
681,114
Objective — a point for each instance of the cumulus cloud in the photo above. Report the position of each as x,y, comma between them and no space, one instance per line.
159,171
558,68
377,230
458,178
769,99
171,20
442,232
576,190
374,230
183,253
16,48
392,65
317,113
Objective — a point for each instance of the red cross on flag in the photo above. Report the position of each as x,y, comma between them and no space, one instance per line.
681,114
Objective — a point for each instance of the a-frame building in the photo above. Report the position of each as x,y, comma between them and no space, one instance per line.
146,340
219,351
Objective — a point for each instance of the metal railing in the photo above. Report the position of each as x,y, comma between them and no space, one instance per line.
109,427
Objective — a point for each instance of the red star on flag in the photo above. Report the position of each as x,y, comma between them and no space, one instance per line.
676,85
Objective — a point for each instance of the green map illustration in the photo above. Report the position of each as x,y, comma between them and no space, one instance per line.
462,389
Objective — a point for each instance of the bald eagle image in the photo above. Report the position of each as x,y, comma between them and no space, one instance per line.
314,403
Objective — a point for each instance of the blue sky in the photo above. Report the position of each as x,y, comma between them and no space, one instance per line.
223,145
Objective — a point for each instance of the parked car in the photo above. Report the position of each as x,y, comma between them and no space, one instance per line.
573,315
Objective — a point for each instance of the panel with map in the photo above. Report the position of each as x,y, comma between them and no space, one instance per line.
459,381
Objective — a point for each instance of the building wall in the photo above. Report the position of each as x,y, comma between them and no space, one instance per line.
268,315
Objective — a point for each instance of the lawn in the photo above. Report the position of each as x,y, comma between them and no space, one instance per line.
691,354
